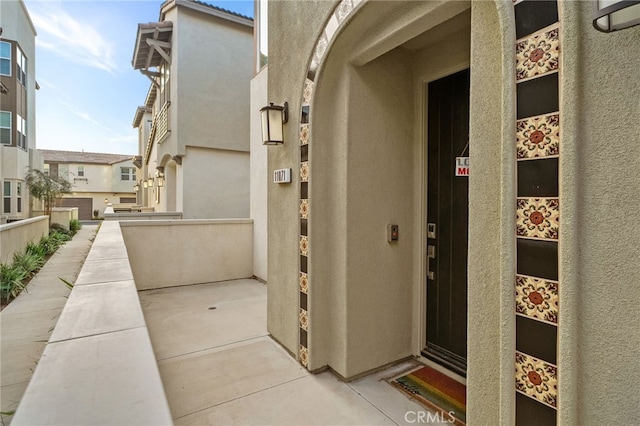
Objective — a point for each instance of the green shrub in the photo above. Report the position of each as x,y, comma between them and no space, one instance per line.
49,244
74,226
56,227
61,237
36,249
28,262
11,281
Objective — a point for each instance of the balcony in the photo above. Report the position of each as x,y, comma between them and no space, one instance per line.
159,129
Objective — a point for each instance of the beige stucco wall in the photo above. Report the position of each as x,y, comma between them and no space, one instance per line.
168,253
211,101
599,332
491,262
15,236
215,184
260,177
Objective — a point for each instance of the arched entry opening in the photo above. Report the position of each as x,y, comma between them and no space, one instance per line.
170,191
369,170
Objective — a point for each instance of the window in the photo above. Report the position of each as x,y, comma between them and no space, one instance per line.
5,58
7,196
22,132
127,173
19,195
46,169
5,128
80,171
21,67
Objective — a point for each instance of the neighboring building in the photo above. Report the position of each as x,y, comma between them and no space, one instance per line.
522,275
17,109
97,180
194,125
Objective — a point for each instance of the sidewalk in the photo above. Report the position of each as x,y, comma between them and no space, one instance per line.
27,323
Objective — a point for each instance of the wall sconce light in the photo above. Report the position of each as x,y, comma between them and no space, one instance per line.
159,178
273,118
145,184
614,15
150,182
136,188
106,201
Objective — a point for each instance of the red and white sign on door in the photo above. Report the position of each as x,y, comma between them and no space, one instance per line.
462,166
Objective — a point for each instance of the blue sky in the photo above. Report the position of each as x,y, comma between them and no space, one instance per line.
88,90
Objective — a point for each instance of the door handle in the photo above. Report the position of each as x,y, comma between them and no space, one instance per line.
431,254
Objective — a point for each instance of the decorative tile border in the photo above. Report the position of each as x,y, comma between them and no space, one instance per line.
538,218
538,58
337,19
538,136
537,298
537,379
538,54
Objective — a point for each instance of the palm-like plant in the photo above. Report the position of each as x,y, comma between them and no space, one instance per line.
46,188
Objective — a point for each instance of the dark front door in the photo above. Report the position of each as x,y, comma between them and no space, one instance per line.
447,221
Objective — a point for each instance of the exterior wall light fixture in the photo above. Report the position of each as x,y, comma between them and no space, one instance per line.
145,184
614,15
150,182
136,188
159,178
273,119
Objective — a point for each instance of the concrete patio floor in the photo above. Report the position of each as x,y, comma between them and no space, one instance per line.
219,366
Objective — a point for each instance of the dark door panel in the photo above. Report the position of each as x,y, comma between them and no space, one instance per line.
447,209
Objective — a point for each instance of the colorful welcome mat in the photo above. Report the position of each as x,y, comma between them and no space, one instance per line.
437,392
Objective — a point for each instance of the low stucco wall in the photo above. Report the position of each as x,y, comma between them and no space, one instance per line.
62,215
15,236
183,252
99,357
143,216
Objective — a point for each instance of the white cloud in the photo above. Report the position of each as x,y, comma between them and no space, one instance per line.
87,117
77,41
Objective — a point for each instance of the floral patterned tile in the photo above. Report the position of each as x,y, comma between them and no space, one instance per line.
537,379
304,209
538,218
321,47
538,54
537,298
538,136
303,355
304,134
344,9
304,245
304,171
308,91
304,283
304,319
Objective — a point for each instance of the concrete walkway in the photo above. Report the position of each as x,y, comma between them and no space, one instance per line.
27,323
219,366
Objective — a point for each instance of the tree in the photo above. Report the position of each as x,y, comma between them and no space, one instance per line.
46,188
